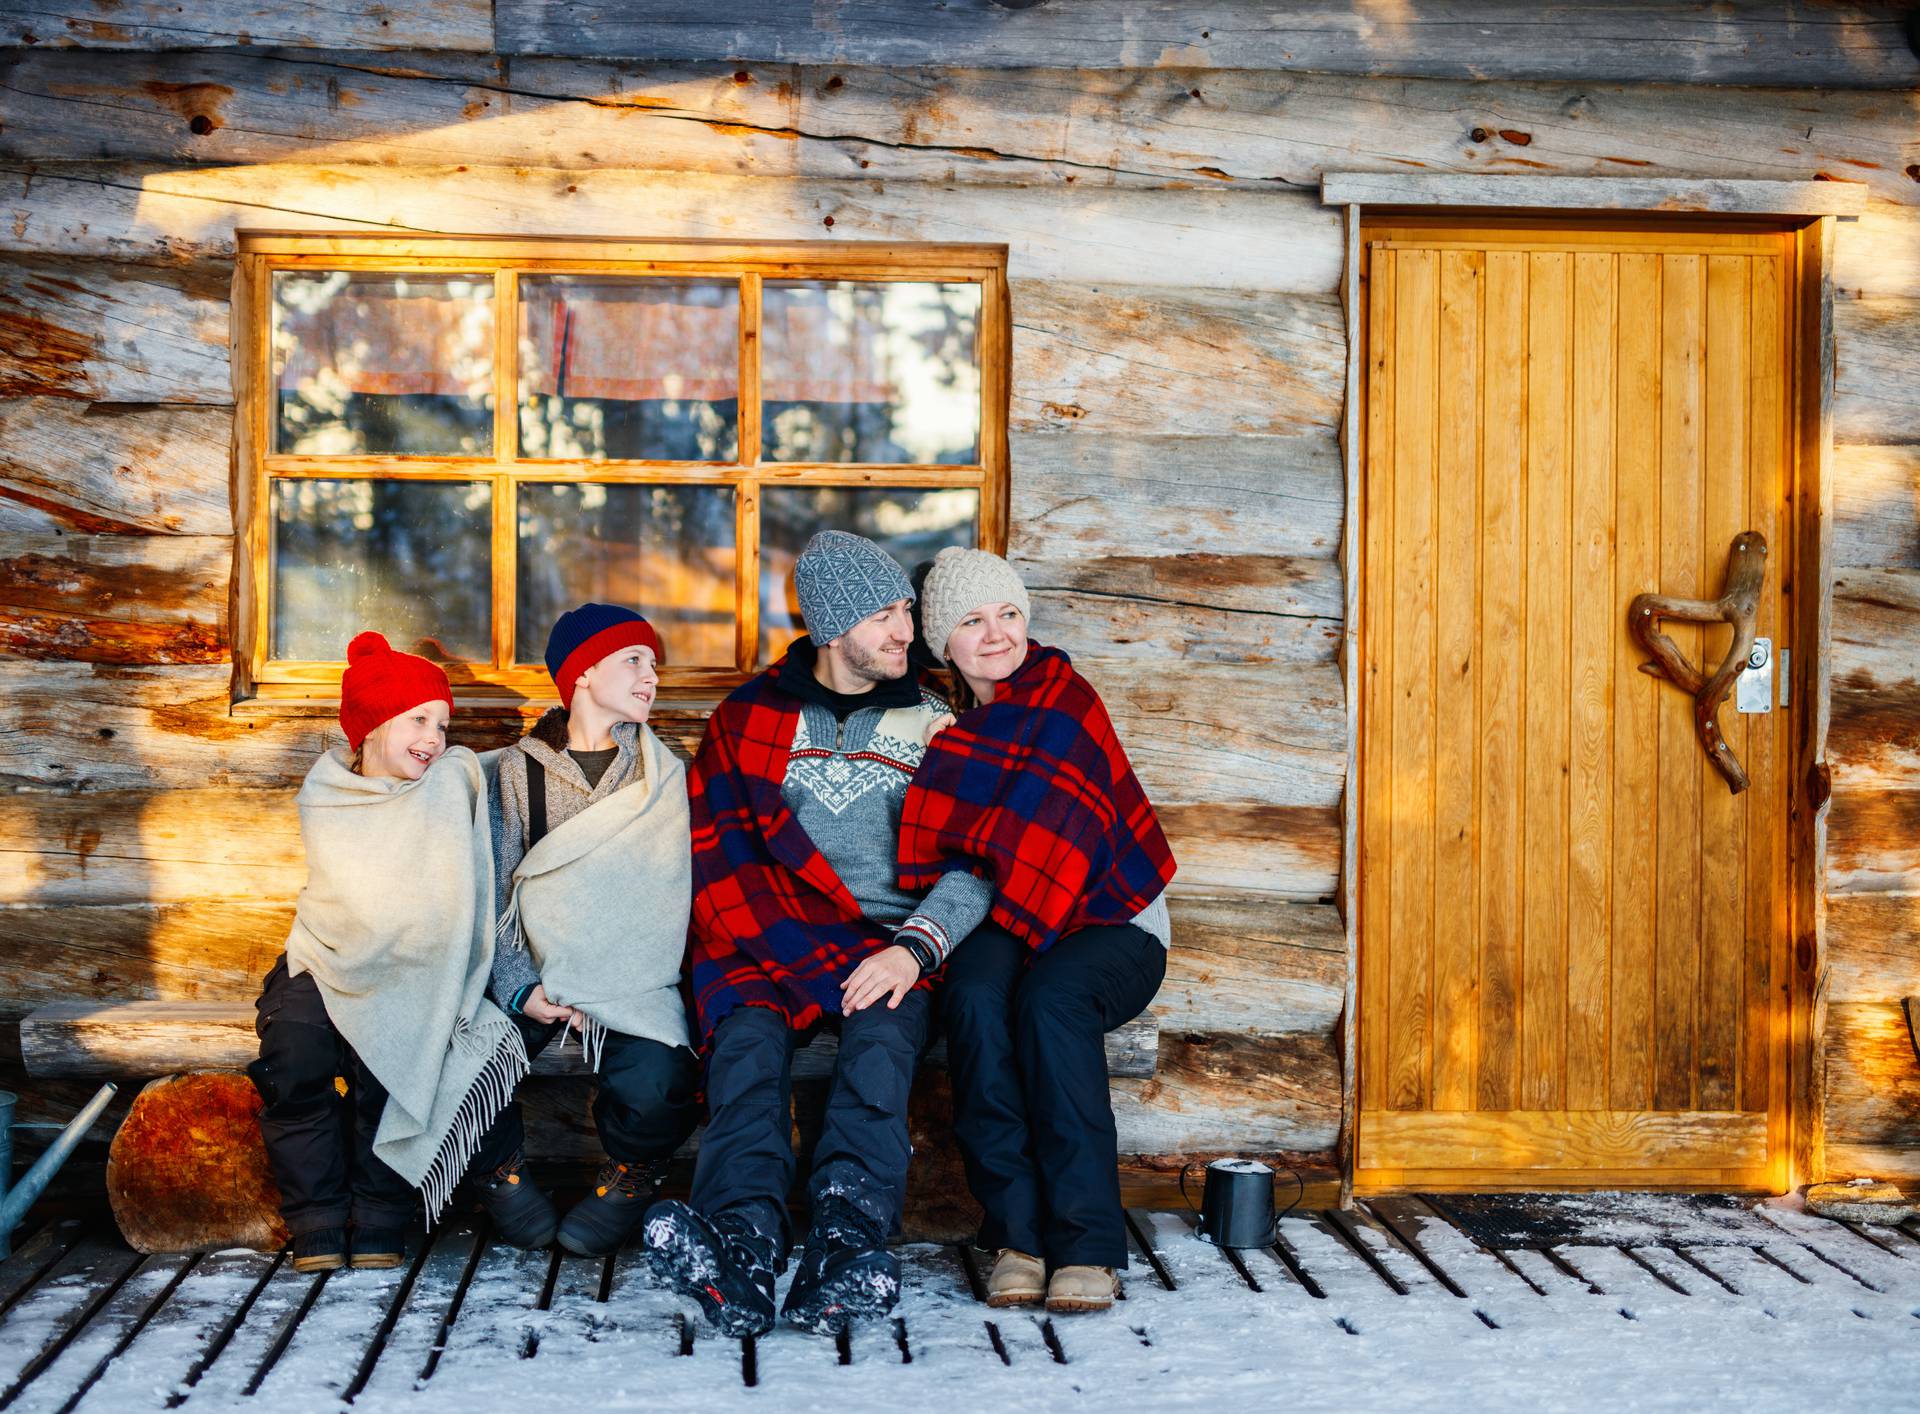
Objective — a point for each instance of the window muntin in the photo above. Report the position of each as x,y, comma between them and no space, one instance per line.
596,420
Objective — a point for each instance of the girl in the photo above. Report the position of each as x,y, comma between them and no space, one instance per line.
381,1061
1031,790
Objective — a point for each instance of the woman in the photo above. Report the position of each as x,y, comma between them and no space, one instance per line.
1031,791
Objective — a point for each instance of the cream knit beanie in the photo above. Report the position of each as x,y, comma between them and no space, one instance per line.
960,582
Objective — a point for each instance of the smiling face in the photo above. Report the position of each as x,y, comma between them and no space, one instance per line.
621,685
873,650
988,644
403,747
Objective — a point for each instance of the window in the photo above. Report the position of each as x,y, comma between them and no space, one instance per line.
454,439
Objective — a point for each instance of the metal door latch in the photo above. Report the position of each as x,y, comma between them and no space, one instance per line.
1753,692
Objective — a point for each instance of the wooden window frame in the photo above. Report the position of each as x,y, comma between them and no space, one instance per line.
262,254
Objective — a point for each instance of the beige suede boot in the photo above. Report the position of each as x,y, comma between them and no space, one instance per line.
1016,1279
1082,1289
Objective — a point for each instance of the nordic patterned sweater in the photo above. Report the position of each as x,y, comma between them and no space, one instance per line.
568,793
846,782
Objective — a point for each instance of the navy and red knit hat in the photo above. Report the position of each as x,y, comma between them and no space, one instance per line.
381,682
582,637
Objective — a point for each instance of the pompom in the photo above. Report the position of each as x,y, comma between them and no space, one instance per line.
365,645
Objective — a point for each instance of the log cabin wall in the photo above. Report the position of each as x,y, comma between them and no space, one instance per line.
1179,363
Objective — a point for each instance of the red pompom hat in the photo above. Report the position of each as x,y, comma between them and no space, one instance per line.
380,683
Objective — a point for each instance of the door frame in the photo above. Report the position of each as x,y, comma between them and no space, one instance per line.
1807,211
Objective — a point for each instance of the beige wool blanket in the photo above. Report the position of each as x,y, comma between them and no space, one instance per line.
395,926
602,903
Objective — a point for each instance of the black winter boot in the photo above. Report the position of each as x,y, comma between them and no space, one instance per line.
726,1264
522,1215
846,1273
604,1219
322,1251
377,1248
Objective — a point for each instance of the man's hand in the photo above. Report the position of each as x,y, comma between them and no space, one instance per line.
543,1011
889,973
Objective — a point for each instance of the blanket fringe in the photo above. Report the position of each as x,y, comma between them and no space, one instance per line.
490,1093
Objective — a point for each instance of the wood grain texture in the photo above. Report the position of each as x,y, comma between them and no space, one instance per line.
1876,381
1220,132
1594,193
1873,947
1871,1073
1874,740
158,24
117,468
1637,1142
115,598
1873,840
1190,361
1681,42
1876,507
108,332
164,214
1076,492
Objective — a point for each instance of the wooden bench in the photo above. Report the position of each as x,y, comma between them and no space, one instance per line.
139,1040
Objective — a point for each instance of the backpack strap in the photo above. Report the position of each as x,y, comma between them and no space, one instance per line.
536,801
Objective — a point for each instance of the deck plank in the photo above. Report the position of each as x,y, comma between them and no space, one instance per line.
57,1309
93,1351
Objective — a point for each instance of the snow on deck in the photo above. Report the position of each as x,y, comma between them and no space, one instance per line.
1390,1306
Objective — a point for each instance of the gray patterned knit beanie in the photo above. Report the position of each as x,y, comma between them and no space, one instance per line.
842,578
960,582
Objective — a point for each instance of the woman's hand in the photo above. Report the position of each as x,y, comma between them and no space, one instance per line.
938,725
543,1011
889,973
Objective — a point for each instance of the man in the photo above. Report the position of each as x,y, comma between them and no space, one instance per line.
798,924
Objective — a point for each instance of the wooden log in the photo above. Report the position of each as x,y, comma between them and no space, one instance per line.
1099,625
73,1039
187,1171
1620,193
1876,506
1874,738
1275,584
1846,1161
1873,840
1207,731
1876,387
1873,947
1192,362
115,598
192,950
1241,965
115,468
1877,254
1685,41
1214,1092
1076,127
110,332
1084,494
157,214
1873,1079
163,24
1292,851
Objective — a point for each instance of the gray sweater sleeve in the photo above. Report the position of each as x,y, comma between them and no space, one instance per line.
513,967
953,908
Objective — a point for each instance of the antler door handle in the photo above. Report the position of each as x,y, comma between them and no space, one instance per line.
1739,606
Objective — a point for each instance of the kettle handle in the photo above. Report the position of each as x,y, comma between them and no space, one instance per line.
1184,1171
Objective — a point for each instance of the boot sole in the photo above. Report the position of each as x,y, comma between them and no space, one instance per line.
376,1262
688,1268
1074,1305
332,1262
1016,1298
858,1294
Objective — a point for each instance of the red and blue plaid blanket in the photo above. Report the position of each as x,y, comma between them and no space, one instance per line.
773,925
1034,792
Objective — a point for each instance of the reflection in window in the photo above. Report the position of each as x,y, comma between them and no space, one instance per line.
912,525
870,372
666,551
409,558
368,364
629,368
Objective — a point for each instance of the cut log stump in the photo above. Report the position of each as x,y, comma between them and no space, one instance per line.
187,1171
1863,1201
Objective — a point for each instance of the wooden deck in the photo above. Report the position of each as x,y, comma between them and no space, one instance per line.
87,1324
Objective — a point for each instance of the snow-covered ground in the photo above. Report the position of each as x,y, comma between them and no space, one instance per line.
1748,1333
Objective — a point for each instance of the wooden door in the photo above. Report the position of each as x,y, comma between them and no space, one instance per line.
1572,935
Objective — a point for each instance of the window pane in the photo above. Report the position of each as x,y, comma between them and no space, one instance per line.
667,551
875,372
412,559
629,368
912,525
398,365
